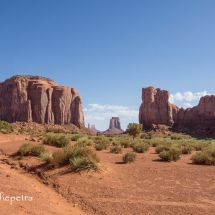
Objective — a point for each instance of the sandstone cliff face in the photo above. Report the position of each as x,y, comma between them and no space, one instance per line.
156,109
41,100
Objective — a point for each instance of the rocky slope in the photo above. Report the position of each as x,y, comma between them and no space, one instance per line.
156,109
41,100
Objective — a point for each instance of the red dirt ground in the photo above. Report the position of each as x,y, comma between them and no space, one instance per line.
147,186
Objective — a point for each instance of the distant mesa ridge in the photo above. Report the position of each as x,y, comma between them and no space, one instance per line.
114,127
39,99
93,128
156,109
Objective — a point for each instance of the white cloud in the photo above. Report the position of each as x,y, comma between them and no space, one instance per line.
187,96
188,105
102,112
178,96
93,117
105,107
171,98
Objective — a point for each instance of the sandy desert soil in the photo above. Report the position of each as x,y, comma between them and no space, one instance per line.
32,196
147,186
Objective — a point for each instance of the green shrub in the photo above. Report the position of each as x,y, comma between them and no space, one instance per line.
200,146
115,143
84,141
134,129
186,150
102,144
175,138
172,154
62,157
74,151
206,157
59,158
75,137
57,140
85,163
129,157
3,131
125,143
46,157
31,149
5,127
148,135
162,147
141,147
116,150
155,144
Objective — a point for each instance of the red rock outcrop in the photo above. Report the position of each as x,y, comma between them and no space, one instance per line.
114,126
41,100
156,109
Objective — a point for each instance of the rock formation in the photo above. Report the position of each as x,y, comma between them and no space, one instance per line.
93,128
156,109
41,100
114,127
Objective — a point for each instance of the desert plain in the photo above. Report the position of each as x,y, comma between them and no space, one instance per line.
146,186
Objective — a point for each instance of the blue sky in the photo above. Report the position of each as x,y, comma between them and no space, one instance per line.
110,49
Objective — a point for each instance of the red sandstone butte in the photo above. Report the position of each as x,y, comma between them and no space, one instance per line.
114,126
41,100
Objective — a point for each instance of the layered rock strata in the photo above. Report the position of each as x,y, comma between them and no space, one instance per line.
41,100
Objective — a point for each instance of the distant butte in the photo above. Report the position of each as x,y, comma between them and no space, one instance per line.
156,109
114,127
38,99
93,128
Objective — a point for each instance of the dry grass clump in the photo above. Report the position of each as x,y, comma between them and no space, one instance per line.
116,142
46,157
80,158
85,163
148,135
125,143
173,153
5,127
84,141
58,140
163,146
205,157
186,150
129,157
116,150
75,137
31,149
140,147
101,144
176,138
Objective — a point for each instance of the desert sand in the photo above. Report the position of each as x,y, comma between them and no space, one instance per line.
147,186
